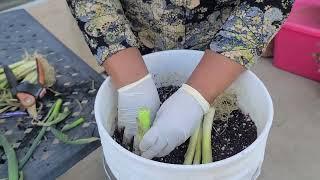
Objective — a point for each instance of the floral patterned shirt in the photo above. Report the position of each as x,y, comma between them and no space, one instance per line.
237,29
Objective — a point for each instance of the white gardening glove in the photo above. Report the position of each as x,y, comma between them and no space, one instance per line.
131,98
175,122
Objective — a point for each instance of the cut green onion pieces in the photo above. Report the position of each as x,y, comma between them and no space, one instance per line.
73,124
65,139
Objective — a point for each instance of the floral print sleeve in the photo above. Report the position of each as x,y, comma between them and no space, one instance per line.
249,29
237,29
104,26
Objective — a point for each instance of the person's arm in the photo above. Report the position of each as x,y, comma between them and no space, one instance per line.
234,48
238,45
126,67
214,74
107,32
110,38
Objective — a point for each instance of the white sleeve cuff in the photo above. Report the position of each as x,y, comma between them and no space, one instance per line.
132,85
198,97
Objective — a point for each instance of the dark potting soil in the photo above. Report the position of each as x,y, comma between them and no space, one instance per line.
166,92
228,137
232,136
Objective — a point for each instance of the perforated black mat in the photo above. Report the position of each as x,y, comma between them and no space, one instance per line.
76,81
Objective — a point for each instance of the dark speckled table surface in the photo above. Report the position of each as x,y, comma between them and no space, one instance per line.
77,82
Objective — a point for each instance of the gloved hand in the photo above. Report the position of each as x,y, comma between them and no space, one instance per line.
175,122
142,93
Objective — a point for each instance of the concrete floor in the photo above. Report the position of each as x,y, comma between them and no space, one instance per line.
5,4
293,147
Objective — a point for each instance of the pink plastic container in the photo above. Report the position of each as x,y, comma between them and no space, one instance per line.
299,39
303,3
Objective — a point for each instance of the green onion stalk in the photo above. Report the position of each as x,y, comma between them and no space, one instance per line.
59,118
191,147
73,124
197,155
21,177
24,70
65,138
52,114
31,77
20,72
206,136
7,102
13,172
53,117
144,124
13,66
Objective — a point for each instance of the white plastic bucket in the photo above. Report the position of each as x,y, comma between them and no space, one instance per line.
173,68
